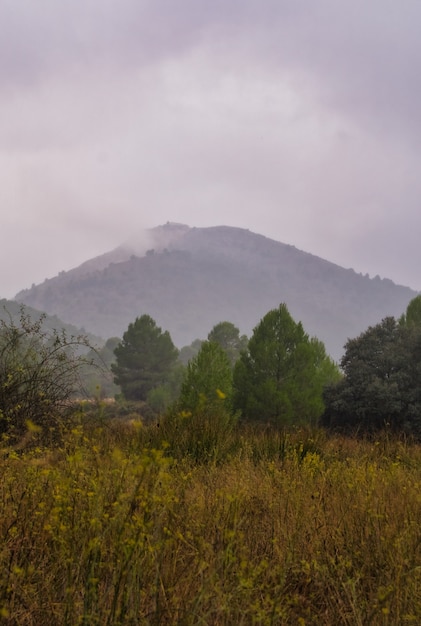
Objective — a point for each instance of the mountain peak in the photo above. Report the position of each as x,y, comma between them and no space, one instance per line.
197,277
157,238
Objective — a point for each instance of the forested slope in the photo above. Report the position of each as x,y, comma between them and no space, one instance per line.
192,278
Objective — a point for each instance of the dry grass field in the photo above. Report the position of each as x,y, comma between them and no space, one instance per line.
123,524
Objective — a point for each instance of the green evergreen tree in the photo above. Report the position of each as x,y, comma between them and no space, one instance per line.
144,358
227,335
367,397
189,352
207,380
280,377
413,313
381,385
201,421
162,397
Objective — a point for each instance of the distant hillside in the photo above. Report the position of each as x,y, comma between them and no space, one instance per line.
11,310
188,279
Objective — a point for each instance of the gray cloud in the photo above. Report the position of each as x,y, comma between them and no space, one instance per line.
299,120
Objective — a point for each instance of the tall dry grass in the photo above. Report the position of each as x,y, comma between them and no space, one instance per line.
118,527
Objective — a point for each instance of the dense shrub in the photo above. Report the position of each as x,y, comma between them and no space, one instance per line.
39,374
381,387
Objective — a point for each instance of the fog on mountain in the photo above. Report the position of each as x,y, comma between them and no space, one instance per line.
189,279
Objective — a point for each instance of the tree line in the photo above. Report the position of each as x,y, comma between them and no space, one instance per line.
283,376
280,375
276,376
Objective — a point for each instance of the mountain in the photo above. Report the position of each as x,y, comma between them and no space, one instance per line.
188,279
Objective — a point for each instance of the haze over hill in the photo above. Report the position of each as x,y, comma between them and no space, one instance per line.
11,312
188,279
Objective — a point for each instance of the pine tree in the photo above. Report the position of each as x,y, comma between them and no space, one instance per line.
280,377
144,358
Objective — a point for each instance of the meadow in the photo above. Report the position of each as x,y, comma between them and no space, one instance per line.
121,523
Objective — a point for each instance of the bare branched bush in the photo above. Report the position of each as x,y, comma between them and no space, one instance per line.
39,374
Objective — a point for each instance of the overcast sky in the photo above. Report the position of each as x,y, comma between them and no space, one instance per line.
296,119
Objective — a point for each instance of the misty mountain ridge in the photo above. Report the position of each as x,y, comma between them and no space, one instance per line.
189,279
11,311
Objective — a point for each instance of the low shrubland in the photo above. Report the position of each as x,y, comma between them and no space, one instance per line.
197,520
